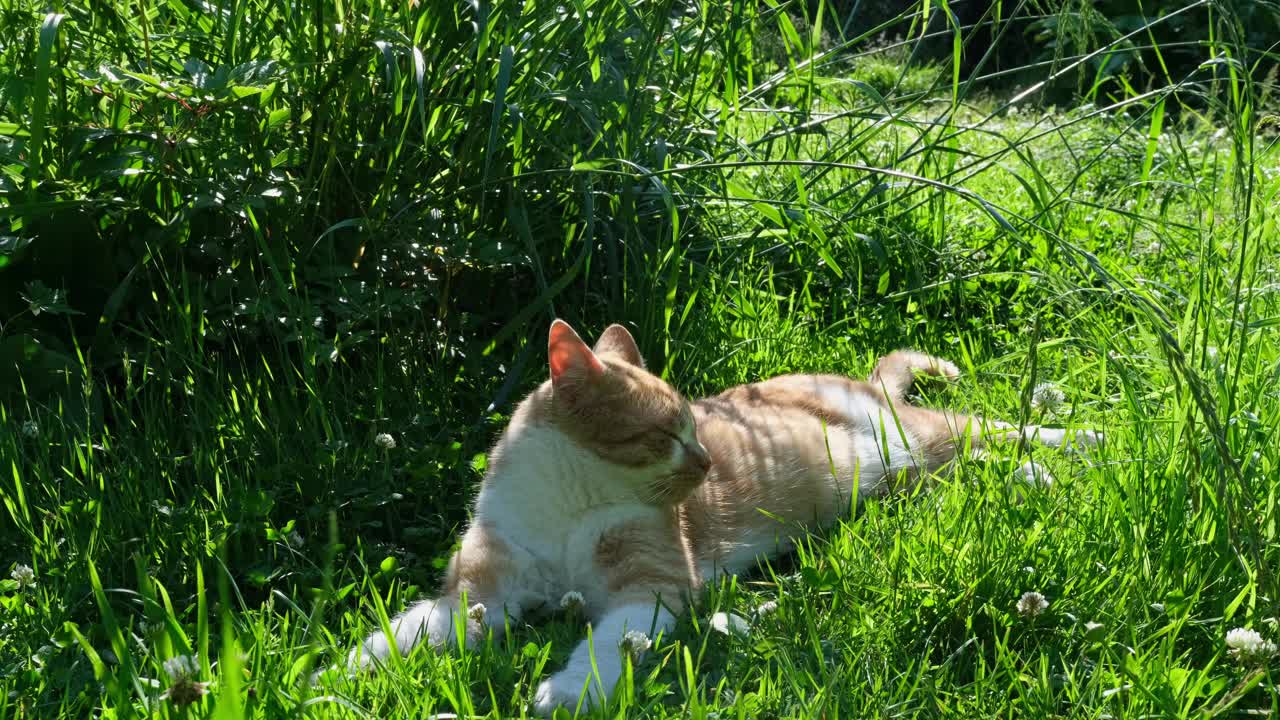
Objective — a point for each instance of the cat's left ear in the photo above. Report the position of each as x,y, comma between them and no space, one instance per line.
617,340
572,362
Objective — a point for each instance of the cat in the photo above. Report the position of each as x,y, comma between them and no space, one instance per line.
611,491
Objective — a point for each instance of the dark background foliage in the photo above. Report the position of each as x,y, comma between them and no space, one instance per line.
382,179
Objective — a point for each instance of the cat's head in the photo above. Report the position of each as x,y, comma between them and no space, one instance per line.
608,403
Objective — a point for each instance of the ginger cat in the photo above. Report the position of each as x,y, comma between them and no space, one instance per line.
609,484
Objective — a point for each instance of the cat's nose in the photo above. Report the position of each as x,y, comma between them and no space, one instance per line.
700,457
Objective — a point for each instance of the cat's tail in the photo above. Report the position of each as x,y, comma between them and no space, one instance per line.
896,372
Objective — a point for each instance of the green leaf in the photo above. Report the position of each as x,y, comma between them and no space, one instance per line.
42,299
587,165
829,260
41,89
499,106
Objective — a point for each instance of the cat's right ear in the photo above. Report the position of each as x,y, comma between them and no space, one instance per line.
572,362
617,340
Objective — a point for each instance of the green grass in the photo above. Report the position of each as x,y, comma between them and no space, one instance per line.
218,286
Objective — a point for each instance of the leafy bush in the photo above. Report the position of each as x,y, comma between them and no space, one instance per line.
1134,45
271,169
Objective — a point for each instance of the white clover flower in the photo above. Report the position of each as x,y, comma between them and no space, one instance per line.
1047,397
1246,646
181,666
30,428
767,608
385,441
477,612
1032,604
729,624
635,644
24,576
572,601
183,688
1211,353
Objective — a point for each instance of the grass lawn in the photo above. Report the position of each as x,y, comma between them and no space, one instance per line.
374,243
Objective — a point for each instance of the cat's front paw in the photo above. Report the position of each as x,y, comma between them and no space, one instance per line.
1082,442
564,689
1033,474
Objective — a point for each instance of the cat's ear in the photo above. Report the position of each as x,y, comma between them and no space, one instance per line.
572,362
616,340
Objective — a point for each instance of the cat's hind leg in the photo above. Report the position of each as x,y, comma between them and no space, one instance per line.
944,433
896,373
1070,440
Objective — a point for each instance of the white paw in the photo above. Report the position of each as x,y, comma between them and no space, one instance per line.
563,689
1030,474
331,674
1033,474
730,624
1081,443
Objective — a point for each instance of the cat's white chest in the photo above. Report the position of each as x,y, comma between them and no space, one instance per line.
553,501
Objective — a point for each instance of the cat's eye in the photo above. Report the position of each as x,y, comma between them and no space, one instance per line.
681,437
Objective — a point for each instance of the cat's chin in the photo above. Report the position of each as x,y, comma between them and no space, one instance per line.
673,490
